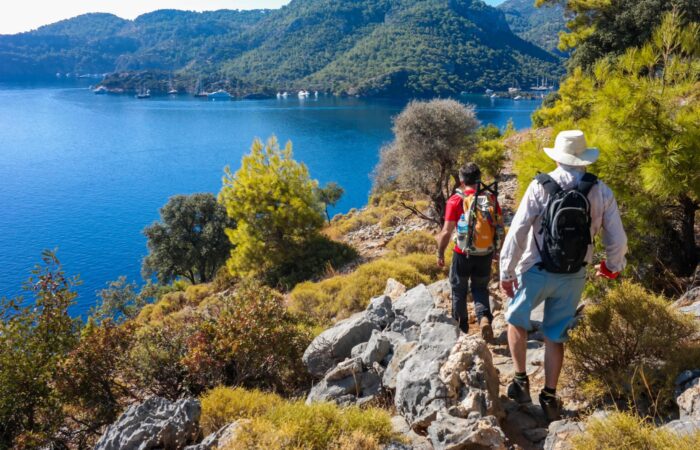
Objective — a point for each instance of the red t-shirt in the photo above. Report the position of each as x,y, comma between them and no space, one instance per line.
455,208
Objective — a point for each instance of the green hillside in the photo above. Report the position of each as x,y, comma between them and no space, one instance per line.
541,26
366,47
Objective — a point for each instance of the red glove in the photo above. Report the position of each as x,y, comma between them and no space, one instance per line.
603,271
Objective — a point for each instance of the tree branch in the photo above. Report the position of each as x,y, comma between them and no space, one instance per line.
419,214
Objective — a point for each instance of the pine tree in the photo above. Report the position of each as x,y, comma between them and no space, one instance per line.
273,201
642,109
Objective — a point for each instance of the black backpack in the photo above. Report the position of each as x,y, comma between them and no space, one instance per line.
566,225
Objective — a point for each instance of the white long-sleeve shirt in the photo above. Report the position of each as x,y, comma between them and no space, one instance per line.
519,252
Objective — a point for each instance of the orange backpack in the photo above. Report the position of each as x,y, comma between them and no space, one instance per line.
480,229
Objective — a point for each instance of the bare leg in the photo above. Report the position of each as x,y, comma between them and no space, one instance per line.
553,360
517,341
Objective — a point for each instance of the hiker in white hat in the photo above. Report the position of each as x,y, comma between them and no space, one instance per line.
545,253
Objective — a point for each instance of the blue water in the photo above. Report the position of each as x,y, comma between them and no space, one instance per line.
85,173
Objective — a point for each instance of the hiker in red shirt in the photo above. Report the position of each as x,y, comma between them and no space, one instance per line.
479,232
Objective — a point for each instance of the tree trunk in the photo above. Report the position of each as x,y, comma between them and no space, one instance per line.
689,258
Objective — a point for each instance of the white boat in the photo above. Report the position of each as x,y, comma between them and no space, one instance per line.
517,97
489,91
513,90
303,94
101,90
219,95
172,92
279,95
493,96
316,94
144,94
285,94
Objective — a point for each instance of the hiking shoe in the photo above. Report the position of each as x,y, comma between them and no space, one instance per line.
551,405
519,390
486,330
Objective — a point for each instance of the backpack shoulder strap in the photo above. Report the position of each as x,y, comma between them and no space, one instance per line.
548,183
587,182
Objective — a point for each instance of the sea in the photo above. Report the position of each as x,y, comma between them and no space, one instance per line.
84,174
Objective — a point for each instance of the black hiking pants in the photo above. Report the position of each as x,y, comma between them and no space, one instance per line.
475,271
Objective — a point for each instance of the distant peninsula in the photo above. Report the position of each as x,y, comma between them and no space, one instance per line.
372,48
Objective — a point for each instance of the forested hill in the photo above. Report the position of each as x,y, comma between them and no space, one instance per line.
541,26
367,47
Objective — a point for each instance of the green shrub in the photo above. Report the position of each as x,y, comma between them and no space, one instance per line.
340,296
320,426
623,431
528,160
316,257
223,405
490,156
413,242
254,341
274,204
631,345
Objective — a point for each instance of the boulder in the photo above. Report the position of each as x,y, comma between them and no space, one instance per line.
398,357
414,304
561,432
453,433
334,390
420,393
336,343
220,438
688,395
155,423
394,289
471,378
683,427
376,350
380,311
689,302
345,384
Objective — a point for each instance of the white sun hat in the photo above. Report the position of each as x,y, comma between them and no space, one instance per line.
570,148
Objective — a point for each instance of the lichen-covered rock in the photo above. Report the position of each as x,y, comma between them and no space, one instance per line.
475,431
336,343
394,289
688,398
155,423
561,432
471,379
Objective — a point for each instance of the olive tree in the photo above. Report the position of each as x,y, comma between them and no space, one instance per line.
431,139
189,241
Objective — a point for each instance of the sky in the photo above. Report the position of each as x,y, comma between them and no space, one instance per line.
24,15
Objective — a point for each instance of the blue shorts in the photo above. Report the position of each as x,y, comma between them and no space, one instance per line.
561,294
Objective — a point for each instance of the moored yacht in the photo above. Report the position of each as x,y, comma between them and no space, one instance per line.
219,95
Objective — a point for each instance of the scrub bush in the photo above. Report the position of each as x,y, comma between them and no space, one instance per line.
631,345
254,341
413,242
623,431
340,296
223,405
320,426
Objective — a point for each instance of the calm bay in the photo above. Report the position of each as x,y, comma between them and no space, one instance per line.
85,173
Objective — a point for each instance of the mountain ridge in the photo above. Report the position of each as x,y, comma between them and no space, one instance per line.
365,47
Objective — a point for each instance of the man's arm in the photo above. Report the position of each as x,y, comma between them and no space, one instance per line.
516,240
443,240
614,240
